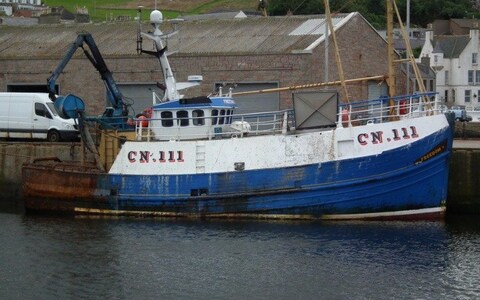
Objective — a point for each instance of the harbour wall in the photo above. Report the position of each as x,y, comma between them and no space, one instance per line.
14,154
463,188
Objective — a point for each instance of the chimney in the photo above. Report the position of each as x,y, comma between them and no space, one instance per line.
429,32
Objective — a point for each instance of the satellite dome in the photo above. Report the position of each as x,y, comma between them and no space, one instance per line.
156,17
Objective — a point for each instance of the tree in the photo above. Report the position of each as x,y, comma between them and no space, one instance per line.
422,12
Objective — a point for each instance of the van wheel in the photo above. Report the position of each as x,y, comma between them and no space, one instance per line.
53,136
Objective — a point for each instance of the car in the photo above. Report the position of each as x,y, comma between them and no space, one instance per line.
460,113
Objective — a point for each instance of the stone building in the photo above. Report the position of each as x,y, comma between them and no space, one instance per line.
251,53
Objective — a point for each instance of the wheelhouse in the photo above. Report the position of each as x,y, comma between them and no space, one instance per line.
192,118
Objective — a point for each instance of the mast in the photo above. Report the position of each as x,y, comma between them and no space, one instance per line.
390,52
171,92
337,55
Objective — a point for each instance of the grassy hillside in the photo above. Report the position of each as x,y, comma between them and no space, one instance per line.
101,10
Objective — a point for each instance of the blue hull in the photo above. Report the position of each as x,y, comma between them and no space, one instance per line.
403,179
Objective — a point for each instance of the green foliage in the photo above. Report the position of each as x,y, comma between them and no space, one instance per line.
100,10
422,12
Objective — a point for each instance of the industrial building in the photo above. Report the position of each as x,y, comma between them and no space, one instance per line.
246,53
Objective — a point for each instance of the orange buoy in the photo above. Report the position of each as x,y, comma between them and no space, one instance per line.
345,117
142,121
403,107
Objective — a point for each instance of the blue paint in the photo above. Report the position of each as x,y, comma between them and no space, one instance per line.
392,181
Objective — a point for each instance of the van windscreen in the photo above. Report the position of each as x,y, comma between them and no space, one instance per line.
53,109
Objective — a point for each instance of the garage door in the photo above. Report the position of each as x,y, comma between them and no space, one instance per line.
140,96
256,102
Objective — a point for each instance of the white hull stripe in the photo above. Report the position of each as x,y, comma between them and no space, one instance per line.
393,214
423,211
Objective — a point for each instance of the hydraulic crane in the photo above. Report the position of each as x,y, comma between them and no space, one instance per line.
119,109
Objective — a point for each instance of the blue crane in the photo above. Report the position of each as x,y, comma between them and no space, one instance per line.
118,111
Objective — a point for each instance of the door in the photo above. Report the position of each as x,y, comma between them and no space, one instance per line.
41,120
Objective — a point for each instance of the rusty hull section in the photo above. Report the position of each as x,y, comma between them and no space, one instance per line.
46,181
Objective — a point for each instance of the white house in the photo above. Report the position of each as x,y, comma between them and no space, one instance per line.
31,2
455,60
6,10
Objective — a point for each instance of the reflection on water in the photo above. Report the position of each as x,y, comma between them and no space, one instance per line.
88,258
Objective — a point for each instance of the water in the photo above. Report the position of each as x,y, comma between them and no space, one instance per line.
45,257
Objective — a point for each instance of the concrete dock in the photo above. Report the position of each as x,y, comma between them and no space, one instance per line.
463,187
464,177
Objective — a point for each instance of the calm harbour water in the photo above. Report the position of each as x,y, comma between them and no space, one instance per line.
45,257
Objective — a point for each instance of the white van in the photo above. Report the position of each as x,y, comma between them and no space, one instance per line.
33,115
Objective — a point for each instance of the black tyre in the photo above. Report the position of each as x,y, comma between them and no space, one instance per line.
53,136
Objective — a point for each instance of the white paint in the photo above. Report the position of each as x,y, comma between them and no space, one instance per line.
410,213
270,151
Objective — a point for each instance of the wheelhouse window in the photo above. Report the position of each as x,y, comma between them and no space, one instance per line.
229,116
214,116
221,120
198,117
167,118
182,118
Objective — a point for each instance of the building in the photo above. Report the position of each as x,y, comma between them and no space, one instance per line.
454,58
252,53
26,2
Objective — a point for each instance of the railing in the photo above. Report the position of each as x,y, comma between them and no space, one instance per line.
236,126
387,109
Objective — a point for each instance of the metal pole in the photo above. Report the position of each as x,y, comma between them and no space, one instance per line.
326,49
408,37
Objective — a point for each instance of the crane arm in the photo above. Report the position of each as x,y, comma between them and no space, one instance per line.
114,95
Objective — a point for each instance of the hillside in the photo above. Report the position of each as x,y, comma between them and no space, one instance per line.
101,10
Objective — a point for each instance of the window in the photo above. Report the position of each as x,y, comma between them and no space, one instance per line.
167,118
229,117
446,78
182,118
468,96
446,95
477,77
453,96
470,76
197,116
214,116
41,110
474,58
221,120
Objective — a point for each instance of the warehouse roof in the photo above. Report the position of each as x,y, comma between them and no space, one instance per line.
251,35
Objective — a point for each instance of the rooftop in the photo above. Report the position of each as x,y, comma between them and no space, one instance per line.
271,35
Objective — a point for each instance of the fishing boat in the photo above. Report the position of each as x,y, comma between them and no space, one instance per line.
386,158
